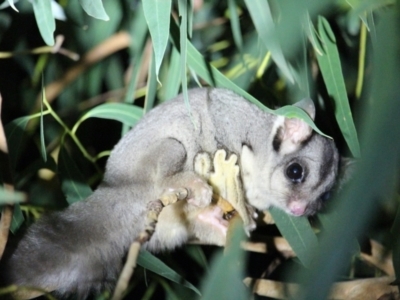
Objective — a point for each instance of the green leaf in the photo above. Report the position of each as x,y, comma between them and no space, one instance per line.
11,3
45,20
298,232
95,9
157,13
171,82
73,184
10,197
183,44
17,219
42,142
136,62
15,133
225,279
196,253
152,263
235,24
262,18
360,8
138,31
151,88
312,34
331,70
290,111
125,113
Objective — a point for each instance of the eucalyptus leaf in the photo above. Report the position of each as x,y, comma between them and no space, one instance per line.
15,133
10,197
331,70
183,44
45,20
312,35
157,13
361,8
225,279
298,232
171,82
125,113
17,219
73,184
95,9
11,3
58,11
138,31
262,18
42,142
152,263
235,24
151,88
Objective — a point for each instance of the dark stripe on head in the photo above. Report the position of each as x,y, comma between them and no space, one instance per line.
327,162
277,141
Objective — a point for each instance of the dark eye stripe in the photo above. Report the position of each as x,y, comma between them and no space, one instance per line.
327,163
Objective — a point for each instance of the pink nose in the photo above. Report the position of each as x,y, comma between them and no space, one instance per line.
297,208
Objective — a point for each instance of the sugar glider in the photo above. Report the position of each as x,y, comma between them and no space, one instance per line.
283,163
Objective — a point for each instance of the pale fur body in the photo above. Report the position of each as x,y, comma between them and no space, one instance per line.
80,250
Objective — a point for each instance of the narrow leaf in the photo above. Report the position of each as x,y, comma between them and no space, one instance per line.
360,8
58,11
298,232
312,35
10,197
225,279
235,25
183,43
95,9
262,19
125,113
331,70
17,219
42,142
171,85
138,30
190,18
45,20
15,133
11,3
157,14
73,184
152,263
151,88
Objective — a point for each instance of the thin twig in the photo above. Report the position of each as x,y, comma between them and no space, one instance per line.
43,50
116,42
366,289
380,258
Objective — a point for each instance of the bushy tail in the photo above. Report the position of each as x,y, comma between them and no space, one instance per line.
76,251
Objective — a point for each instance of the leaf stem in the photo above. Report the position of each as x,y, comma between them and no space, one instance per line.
69,132
361,60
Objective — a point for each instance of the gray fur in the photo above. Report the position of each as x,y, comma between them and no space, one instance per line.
80,250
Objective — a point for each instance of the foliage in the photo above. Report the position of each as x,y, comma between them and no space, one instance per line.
131,55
